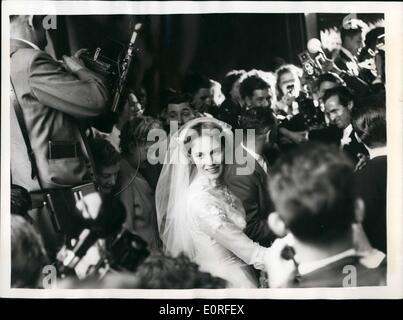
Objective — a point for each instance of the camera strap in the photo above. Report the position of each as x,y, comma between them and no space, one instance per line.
90,158
21,121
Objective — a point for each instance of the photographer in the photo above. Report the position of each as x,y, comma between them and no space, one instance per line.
51,99
54,97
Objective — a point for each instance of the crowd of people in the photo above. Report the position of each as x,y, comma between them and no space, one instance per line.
265,179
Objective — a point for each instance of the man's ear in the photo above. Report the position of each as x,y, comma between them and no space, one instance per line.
350,106
31,21
359,210
35,21
277,225
248,101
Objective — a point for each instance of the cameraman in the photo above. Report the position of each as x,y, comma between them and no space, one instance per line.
50,100
54,97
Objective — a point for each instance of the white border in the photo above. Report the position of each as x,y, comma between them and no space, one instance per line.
394,35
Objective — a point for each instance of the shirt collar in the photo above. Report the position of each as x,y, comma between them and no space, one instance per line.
377,152
346,135
347,53
28,42
347,131
307,267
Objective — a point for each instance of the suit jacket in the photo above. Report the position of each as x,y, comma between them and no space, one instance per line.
371,187
335,275
53,101
333,135
345,63
139,201
251,189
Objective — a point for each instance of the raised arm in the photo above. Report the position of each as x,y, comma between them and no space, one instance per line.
213,221
80,94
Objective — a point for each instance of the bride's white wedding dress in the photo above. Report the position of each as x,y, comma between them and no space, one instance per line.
216,222
202,218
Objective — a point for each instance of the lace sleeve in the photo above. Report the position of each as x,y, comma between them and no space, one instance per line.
213,220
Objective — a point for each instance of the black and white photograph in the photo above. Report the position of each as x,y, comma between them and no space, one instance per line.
200,150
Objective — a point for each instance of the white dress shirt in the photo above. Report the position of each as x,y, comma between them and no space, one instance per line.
346,135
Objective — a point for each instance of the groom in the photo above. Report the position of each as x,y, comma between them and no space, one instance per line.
251,187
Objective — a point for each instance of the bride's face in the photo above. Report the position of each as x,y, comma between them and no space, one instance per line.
208,157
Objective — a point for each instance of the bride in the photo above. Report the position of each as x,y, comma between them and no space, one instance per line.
197,213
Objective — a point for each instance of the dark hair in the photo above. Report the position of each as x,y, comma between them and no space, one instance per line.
257,118
177,98
343,93
372,36
135,131
104,153
349,33
229,81
312,189
20,200
13,18
370,125
328,77
111,216
28,255
193,82
250,84
160,271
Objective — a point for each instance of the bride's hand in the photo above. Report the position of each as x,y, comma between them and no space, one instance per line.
281,272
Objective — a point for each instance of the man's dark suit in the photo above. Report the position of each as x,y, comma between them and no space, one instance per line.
251,189
333,135
336,275
371,187
345,63
53,101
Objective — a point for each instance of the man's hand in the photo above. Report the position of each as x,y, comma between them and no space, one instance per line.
131,109
362,162
288,99
281,272
74,63
330,66
295,137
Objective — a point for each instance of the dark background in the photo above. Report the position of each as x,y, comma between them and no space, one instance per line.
169,46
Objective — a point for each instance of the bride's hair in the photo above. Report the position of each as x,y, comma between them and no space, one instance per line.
203,128
211,129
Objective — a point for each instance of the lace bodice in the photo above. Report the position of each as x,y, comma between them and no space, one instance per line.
217,220
212,205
